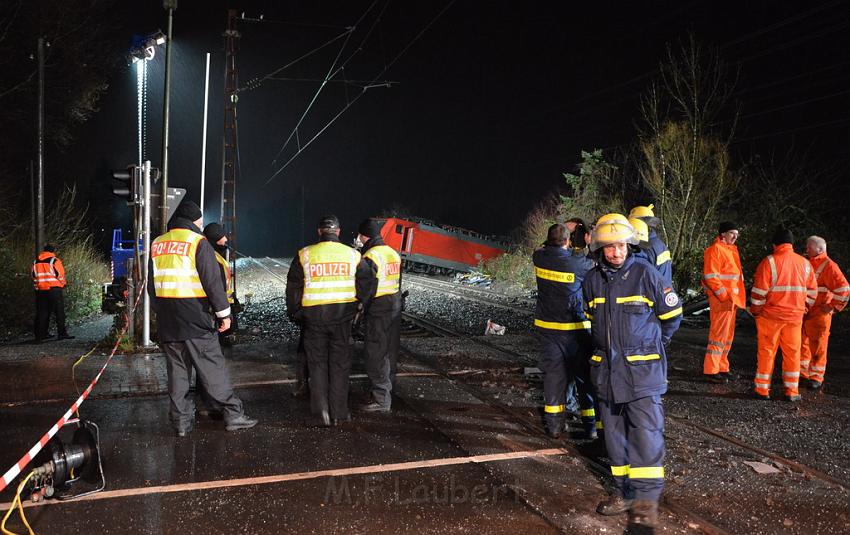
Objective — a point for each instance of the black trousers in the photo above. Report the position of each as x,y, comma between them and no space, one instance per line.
204,354
48,302
564,358
329,364
381,353
301,371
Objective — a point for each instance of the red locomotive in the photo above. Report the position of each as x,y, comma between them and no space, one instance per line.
426,247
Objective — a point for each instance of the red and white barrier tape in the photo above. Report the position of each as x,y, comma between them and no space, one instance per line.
16,468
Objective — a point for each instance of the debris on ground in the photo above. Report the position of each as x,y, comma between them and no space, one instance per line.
475,278
762,468
494,329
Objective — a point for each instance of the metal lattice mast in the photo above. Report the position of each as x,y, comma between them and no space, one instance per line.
230,150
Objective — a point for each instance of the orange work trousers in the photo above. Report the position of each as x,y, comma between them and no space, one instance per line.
720,336
813,348
786,336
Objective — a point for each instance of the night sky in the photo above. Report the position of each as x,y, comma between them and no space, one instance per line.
493,103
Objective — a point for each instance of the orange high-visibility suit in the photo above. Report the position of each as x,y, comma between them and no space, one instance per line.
784,287
723,279
833,292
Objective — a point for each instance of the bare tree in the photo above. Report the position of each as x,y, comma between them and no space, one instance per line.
684,144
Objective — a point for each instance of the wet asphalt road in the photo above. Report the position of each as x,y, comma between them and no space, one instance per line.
433,418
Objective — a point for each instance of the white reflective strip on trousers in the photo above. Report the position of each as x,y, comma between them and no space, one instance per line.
791,374
329,284
842,298
795,384
757,301
759,291
841,289
763,376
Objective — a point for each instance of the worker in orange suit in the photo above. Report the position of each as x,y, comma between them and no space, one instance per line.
723,279
48,280
784,288
833,292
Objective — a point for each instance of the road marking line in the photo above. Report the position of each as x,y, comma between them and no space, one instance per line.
301,476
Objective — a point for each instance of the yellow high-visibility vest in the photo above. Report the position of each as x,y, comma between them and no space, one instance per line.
175,272
388,262
228,277
329,271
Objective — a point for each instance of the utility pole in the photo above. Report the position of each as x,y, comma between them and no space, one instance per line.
230,139
39,238
170,6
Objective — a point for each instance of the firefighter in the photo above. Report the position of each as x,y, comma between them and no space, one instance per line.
833,292
191,305
642,249
382,315
657,254
723,279
563,330
633,313
48,280
784,288
217,237
324,284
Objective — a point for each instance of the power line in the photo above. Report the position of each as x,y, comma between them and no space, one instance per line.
362,92
780,24
792,130
255,82
261,18
796,104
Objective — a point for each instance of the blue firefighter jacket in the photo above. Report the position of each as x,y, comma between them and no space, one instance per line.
659,256
633,313
560,273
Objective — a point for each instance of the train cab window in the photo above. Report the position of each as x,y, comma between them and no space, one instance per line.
398,229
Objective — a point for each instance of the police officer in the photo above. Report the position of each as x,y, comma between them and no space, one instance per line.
657,253
185,286
216,235
382,315
634,313
48,280
324,284
563,329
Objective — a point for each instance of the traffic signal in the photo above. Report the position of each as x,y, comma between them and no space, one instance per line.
126,184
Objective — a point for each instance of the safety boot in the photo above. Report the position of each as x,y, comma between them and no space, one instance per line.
643,513
815,385
716,378
242,422
756,395
614,505
793,399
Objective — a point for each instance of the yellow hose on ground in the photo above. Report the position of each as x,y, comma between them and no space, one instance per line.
17,502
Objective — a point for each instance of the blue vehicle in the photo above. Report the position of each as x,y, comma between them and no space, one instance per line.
114,294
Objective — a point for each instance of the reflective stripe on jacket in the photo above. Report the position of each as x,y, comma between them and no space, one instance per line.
634,313
48,272
784,286
722,275
228,277
560,273
329,273
388,264
659,256
833,290
175,273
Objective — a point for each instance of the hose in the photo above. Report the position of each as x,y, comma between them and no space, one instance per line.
17,502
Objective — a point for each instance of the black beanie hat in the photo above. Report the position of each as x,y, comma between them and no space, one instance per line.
214,232
369,228
782,235
726,226
328,222
188,210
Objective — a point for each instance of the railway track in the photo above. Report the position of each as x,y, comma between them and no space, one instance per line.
532,424
419,326
522,305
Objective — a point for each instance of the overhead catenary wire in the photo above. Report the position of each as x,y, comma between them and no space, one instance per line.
363,91
332,72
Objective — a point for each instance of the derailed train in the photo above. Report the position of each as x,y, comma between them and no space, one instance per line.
430,248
